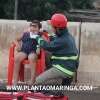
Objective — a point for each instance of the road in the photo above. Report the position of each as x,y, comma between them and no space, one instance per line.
84,95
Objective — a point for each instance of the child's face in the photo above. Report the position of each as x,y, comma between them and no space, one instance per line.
34,28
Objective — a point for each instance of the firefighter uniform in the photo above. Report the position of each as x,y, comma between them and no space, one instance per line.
64,52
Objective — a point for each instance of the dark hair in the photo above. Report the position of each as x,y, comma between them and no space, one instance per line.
36,22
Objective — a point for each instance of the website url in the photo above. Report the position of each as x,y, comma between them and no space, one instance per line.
50,87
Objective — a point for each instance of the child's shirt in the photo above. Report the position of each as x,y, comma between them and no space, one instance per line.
29,44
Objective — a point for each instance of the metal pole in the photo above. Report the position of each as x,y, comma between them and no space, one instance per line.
16,10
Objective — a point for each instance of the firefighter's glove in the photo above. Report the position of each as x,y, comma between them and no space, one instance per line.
39,39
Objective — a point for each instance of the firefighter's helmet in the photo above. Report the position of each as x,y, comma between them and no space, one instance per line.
59,21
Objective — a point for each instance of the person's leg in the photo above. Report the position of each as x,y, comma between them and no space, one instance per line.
18,59
33,61
49,76
52,77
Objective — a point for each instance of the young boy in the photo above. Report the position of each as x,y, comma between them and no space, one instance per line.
27,50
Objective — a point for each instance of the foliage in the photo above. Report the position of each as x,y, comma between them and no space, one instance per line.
40,9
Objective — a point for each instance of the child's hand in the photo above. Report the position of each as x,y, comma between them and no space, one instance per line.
18,46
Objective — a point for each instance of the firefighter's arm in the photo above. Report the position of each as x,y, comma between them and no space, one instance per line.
50,46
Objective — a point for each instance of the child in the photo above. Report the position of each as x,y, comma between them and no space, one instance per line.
27,50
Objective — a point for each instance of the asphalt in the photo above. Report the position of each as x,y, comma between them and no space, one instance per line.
84,95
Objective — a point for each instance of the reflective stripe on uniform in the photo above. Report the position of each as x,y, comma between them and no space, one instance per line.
64,70
65,58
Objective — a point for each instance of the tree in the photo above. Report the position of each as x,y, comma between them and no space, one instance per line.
82,4
6,9
40,9
43,9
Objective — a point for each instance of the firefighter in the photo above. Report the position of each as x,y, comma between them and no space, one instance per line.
64,53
